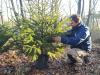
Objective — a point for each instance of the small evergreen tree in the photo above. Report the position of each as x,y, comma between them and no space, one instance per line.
35,34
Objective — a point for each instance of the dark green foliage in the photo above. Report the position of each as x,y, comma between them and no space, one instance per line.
36,36
5,34
33,36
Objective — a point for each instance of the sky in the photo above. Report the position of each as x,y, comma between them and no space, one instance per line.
64,8
66,4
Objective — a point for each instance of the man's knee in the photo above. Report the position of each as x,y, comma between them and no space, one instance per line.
72,52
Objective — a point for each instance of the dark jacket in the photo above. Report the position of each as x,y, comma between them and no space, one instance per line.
79,37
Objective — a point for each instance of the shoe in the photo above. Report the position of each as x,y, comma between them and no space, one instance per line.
79,64
77,69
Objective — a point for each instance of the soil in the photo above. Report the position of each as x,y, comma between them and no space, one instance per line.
14,63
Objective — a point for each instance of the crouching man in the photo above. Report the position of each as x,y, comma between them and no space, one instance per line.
79,40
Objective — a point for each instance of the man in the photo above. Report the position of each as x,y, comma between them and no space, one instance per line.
79,40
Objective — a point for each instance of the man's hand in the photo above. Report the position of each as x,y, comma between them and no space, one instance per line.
56,39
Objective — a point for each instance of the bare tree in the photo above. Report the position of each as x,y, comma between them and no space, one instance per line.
1,13
70,11
89,13
94,19
15,13
21,8
79,7
82,9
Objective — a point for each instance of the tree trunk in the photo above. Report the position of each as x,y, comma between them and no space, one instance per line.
21,9
15,13
82,9
70,11
89,13
79,7
42,61
1,16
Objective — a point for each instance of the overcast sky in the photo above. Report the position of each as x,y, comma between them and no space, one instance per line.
66,3
64,7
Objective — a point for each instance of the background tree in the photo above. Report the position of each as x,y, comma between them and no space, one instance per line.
91,13
1,16
79,7
21,8
82,9
15,12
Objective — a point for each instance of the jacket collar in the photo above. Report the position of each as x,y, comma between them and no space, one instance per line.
77,26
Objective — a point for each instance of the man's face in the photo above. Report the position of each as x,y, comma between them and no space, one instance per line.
72,23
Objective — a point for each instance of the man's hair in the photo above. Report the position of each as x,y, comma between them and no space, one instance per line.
76,18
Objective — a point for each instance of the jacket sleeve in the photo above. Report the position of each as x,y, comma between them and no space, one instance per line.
77,38
67,33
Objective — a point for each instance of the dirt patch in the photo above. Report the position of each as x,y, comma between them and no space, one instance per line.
95,35
97,41
12,63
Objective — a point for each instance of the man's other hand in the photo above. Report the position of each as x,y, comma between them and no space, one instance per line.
56,39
